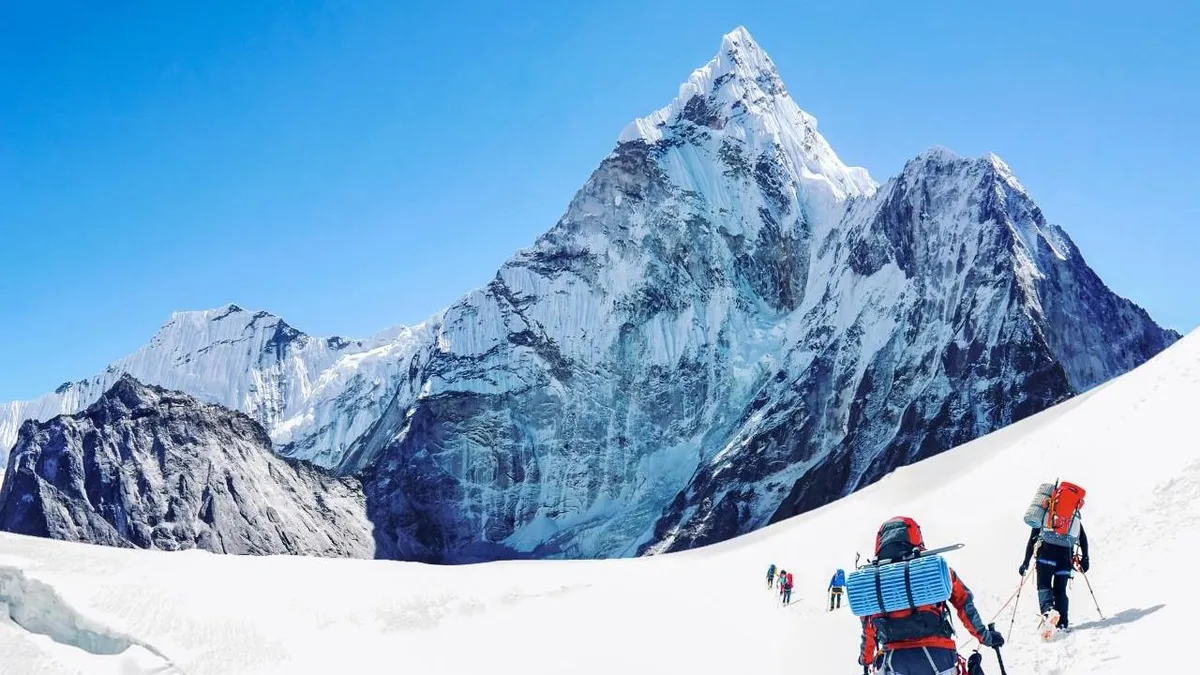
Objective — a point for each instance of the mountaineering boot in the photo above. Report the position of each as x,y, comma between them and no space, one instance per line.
1049,624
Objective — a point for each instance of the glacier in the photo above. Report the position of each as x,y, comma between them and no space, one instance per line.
727,327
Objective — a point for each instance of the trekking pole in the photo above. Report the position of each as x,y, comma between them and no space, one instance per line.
1016,604
999,658
1093,594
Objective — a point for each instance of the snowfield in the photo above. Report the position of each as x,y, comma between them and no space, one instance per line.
1132,443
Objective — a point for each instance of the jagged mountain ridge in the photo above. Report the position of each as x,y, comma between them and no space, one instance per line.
991,316
148,468
727,326
314,395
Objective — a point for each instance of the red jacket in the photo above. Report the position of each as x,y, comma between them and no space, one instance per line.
962,599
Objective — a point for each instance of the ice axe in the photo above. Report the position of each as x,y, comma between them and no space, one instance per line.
999,658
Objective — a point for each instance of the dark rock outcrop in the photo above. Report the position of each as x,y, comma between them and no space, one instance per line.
148,468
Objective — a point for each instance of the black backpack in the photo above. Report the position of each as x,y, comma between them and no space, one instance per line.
898,539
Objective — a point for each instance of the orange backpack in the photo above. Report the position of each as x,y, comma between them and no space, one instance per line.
1065,501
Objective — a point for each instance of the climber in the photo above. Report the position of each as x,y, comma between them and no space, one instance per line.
837,586
771,576
918,641
1056,562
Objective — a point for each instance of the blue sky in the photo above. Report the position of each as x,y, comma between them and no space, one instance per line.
355,165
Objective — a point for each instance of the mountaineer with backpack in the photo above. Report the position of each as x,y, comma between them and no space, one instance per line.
1057,528
837,586
771,576
903,598
786,586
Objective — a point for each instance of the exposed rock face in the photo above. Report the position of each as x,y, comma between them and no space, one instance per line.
148,468
953,308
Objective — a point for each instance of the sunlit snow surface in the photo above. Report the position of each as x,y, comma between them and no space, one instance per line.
1131,443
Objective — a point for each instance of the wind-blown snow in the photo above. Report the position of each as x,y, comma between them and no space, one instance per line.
1130,442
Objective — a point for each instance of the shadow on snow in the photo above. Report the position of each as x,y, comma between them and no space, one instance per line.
1126,616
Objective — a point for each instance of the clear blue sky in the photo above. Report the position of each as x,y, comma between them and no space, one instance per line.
355,165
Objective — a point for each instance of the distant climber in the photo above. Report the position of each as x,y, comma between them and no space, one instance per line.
837,586
918,641
771,576
1052,543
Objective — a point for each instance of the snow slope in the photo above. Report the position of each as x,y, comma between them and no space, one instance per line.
1130,442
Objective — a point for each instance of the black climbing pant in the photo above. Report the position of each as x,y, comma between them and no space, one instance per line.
1054,571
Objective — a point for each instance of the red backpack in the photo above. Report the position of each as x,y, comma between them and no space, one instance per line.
1066,499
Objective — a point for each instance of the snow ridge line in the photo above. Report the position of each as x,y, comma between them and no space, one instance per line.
38,608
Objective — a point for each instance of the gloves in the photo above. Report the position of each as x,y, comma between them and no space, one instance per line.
1023,569
975,664
1084,565
992,638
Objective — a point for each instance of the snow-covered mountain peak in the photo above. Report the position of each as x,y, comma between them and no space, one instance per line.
741,74
941,159
980,192
223,322
739,38
742,56
1003,171
937,154
230,312
736,105
313,395
127,389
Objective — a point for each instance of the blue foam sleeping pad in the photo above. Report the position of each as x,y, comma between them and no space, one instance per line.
928,578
